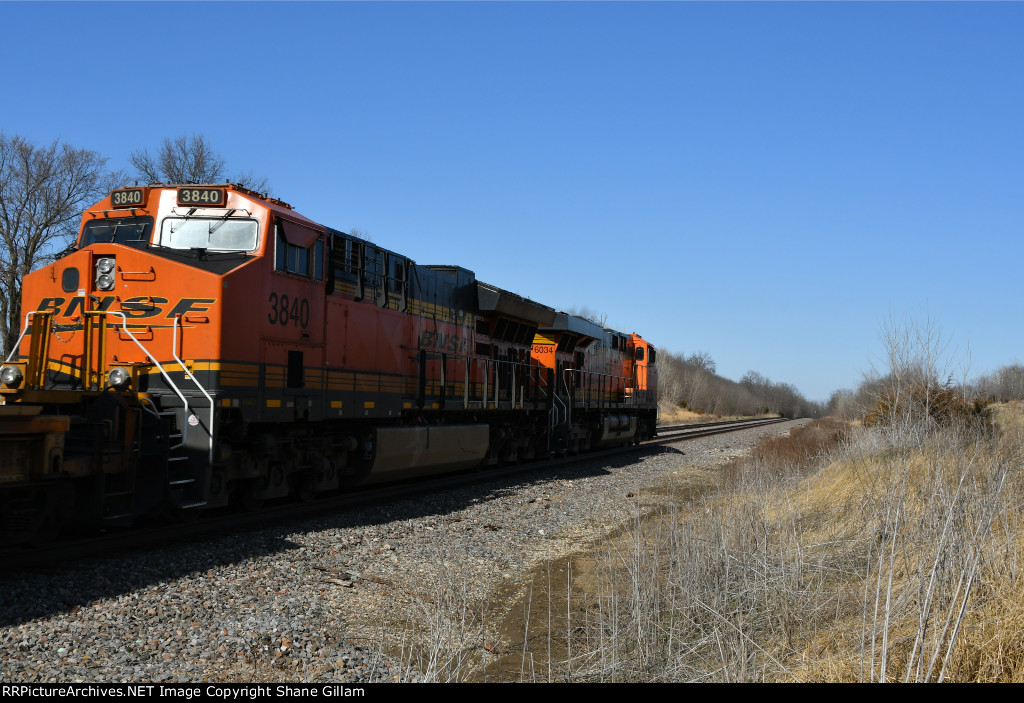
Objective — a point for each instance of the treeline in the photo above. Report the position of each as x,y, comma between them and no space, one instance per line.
921,384
1005,384
878,391
690,382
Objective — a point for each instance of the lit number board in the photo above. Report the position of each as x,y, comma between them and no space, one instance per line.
201,197
127,197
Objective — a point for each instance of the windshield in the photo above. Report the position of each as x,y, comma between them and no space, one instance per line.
220,234
120,230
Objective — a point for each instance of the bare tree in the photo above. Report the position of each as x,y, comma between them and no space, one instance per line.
702,360
916,390
251,181
43,191
189,159
360,234
183,159
917,361
600,318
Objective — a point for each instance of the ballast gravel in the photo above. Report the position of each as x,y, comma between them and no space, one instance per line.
351,598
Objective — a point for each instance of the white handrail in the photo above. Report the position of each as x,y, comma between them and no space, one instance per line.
152,357
170,383
17,345
191,377
555,413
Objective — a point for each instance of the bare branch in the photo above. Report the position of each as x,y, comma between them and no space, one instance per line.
43,190
190,159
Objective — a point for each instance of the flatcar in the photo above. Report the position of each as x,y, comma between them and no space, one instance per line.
205,345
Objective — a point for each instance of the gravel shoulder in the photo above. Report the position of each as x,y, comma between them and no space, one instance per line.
410,590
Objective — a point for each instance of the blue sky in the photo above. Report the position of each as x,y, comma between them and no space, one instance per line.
766,182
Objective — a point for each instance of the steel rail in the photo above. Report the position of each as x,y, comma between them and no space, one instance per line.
217,525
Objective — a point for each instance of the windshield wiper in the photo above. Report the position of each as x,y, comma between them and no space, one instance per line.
213,227
204,253
183,220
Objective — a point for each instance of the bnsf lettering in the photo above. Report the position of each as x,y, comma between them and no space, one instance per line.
443,342
51,305
187,305
141,306
77,305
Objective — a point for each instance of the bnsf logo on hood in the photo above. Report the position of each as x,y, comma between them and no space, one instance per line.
142,306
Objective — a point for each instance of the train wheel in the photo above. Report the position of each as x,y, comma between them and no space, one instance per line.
249,496
54,506
45,532
305,492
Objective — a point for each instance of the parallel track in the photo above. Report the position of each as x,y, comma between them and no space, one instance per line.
65,552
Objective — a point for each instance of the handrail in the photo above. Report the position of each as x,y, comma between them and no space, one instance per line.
148,405
633,397
87,372
89,325
191,377
170,383
39,349
521,373
555,413
24,329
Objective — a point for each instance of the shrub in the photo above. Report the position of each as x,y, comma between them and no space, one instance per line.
940,404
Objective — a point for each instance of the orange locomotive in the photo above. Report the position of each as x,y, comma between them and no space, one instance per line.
204,345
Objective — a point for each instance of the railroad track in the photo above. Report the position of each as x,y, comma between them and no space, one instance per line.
59,554
672,433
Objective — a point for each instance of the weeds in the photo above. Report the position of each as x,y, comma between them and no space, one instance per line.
835,555
444,631
884,553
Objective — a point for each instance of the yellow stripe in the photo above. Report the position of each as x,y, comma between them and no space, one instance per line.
225,366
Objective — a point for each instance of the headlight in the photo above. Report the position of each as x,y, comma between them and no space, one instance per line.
105,272
118,378
11,376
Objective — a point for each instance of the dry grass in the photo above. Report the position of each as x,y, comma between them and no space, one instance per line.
837,555
790,456
443,636
674,415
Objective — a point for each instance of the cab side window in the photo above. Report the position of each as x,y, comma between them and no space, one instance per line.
298,250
